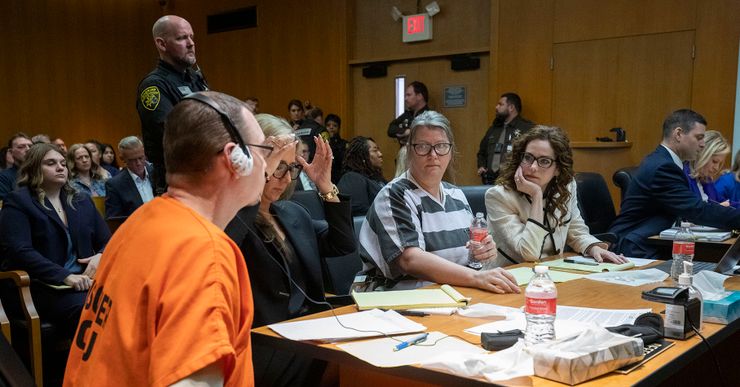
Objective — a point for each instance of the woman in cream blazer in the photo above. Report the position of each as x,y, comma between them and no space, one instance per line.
533,211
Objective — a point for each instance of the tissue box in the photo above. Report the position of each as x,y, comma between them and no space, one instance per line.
722,311
573,364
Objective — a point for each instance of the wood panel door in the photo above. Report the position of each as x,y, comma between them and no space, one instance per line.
373,101
632,82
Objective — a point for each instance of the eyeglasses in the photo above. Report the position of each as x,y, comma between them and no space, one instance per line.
283,168
269,148
440,149
543,162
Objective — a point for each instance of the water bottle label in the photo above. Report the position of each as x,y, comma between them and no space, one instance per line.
478,234
541,305
686,248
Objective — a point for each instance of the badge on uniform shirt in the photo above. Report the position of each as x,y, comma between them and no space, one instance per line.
150,98
184,90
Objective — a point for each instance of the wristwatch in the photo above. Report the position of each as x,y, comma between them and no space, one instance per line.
331,194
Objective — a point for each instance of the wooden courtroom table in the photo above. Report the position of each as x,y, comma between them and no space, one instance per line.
685,363
705,251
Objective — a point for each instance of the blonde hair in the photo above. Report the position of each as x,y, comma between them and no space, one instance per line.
714,145
277,126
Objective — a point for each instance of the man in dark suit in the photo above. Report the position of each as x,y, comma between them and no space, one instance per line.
127,191
659,194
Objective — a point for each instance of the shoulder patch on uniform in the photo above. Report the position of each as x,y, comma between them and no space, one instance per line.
150,98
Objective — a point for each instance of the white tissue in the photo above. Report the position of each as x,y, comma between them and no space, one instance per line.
711,285
510,363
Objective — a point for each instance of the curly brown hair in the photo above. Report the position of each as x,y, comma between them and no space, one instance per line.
556,195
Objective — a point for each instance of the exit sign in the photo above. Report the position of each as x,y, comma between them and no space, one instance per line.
417,28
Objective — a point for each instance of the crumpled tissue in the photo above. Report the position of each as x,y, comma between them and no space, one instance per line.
720,306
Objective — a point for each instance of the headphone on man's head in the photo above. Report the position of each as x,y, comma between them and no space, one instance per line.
240,157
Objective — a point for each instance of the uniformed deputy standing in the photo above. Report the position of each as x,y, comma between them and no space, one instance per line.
176,76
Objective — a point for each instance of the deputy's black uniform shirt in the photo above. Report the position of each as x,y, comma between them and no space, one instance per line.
158,92
403,122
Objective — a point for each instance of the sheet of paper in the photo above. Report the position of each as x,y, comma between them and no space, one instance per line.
600,317
560,264
369,323
524,274
380,353
563,328
639,262
630,278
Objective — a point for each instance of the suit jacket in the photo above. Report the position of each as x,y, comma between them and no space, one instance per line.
33,238
312,240
122,196
659,195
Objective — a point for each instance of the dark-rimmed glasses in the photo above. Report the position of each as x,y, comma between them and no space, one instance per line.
269,148
283,168
543,162
440,149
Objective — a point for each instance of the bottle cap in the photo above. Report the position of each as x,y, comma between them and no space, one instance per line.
539,269
479,215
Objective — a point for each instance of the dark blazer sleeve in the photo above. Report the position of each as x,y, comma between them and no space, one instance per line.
336,235
31,241
91,233
677,198
113,200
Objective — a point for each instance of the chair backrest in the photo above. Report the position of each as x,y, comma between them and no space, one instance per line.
12,370
99,204
595,202
311,200
476,195
622,178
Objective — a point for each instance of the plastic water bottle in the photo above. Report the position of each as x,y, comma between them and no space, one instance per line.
540,308
683,249
478,232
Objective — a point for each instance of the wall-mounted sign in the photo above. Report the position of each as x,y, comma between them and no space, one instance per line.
417,28
454,96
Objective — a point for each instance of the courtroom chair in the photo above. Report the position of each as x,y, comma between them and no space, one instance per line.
595,202
622,178
12,371
476,195
311,201
30,323
99,202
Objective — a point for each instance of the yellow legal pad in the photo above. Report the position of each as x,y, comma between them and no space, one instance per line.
445,296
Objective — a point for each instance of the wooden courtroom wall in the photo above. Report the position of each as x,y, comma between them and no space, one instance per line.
461,27
298,50
70,68
616,63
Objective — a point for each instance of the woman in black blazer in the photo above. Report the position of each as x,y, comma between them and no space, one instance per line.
53,233
284,247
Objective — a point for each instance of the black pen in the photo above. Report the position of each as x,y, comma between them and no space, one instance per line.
412,313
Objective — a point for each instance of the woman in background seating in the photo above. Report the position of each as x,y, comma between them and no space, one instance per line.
86,175
109,161
728,185
703,171
296,113
533,210
363,174
53,233
284,249
417,228
338,145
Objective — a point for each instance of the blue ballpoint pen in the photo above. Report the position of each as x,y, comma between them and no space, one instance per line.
411,341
